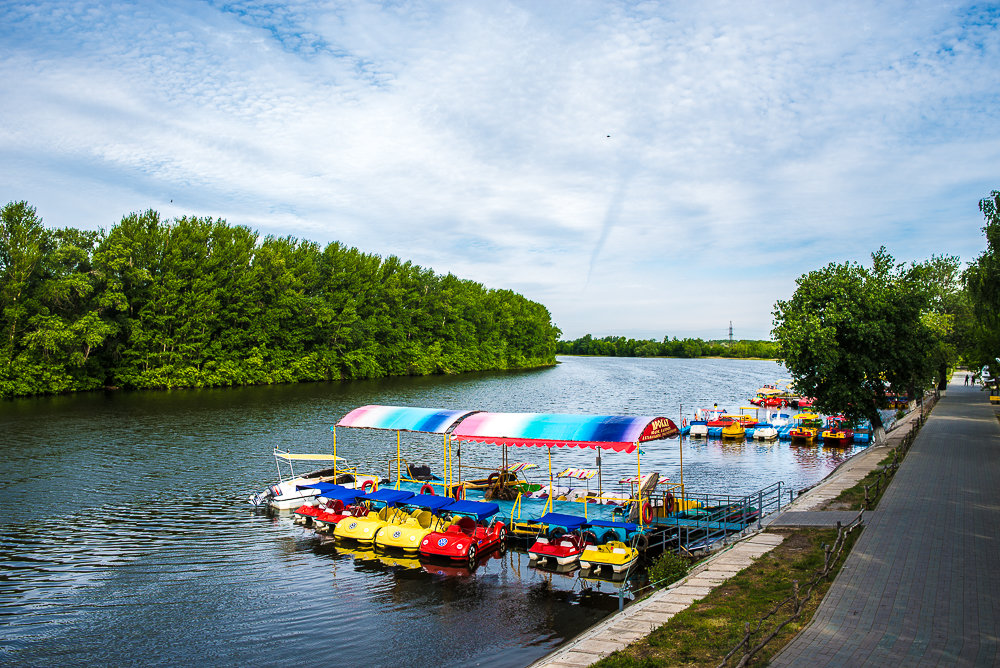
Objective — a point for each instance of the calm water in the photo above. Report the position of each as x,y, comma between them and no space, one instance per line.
126,538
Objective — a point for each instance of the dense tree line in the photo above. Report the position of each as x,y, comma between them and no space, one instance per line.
620,346
196,302
854,336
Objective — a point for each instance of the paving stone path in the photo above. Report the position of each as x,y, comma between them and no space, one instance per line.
921,587
639,619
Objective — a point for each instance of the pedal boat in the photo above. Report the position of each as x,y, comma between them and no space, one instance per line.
700,423
614,554
329,499
806,429
338,506
564,549
734,429
406,531
836,433
765,432
564,541
364,529
471,533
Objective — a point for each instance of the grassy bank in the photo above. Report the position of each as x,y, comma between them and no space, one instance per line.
705,632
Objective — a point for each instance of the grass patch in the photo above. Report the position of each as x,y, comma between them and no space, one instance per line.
704,633
853,498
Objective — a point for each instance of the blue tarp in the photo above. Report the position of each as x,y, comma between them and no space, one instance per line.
569,522
388,496
430,501
478,509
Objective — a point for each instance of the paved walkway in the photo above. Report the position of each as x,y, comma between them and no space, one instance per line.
921,587
637,620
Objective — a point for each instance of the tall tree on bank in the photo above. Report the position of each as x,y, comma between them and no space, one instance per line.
196,302
851,333
982,281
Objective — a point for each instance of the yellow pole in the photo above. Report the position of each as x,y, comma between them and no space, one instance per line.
638,468
447,467
334,430
398,476
552,491
681,441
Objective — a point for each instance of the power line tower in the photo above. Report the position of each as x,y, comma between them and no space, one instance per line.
730,332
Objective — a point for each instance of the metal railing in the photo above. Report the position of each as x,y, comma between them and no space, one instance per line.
709,518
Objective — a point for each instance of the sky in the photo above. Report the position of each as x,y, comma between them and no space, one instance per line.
640,168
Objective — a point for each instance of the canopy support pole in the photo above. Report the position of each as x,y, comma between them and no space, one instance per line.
447,468
638,468
334,430
398,473
600,481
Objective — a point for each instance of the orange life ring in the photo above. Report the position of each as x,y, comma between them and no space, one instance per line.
670,503
427,489
647,513
459,492
366,485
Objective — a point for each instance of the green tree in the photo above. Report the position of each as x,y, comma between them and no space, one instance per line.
849,335
982,281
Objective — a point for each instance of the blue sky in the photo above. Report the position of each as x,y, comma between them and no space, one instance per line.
640,168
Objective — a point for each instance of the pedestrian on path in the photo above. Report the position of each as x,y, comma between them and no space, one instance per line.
966,379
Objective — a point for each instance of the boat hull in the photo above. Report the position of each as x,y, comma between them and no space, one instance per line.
614,555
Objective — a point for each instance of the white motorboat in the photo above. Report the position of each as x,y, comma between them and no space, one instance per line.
292,491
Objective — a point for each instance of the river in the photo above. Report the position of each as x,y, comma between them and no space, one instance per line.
127,538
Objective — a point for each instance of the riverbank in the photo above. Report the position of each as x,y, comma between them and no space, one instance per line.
625,636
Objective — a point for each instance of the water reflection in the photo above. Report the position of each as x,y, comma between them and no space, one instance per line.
125,534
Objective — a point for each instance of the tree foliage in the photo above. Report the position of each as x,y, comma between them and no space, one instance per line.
620,346
852,335
982,281
196,302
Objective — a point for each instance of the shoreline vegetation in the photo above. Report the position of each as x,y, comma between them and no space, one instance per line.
195,302
620,346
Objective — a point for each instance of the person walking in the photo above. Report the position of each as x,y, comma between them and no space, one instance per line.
966,379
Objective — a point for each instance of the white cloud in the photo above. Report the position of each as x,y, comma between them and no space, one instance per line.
748,143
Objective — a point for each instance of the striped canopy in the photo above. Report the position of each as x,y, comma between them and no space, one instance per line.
633,480
403,418
611,432
580,474
521,466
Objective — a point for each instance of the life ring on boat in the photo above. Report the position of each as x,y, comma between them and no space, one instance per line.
647,513
459,492
670,502
589,537
427,489
492,478
367,485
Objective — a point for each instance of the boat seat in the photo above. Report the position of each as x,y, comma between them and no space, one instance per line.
423,518
618,550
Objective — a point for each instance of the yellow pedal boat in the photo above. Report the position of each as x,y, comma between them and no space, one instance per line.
615,554
364,529
406,529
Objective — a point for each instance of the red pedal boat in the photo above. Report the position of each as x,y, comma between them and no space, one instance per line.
472,534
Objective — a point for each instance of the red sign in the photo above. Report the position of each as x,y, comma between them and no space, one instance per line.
659,428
